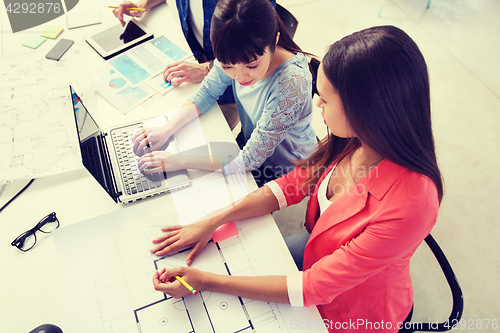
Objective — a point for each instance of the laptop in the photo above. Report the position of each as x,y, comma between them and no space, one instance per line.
110,159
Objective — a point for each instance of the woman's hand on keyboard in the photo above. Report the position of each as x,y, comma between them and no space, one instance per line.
178,237
160,161
151,138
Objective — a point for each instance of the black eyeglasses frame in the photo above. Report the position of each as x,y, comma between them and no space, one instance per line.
19,241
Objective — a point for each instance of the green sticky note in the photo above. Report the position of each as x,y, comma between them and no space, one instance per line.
52,32
34,41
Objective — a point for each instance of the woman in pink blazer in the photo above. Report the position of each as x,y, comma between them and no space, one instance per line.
374,191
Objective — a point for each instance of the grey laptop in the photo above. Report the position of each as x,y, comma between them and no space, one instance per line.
109,157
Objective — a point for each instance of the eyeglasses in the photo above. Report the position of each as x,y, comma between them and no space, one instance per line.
27,240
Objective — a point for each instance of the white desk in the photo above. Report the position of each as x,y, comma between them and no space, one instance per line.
31,283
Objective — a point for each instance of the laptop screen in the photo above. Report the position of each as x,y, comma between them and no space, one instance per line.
86,125
92,146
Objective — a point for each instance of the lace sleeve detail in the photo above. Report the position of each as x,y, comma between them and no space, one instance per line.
280,115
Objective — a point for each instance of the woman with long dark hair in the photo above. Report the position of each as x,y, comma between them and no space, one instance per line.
272,86
374,188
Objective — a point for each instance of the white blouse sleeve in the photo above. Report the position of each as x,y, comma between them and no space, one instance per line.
294,287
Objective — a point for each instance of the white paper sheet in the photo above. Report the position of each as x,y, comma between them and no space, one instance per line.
191,135
159,84
207,194
37,127
145,61
131,78
107,272
77,19
119,92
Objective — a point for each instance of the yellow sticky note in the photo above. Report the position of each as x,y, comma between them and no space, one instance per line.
51,32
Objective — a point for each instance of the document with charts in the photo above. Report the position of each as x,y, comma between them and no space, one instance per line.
142,62
112,291
133,77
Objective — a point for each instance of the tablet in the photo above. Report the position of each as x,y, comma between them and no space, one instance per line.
115,39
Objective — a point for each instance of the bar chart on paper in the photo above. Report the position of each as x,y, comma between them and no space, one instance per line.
134,76
145,61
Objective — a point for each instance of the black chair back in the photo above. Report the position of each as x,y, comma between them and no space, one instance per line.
456,292
288,19
313,68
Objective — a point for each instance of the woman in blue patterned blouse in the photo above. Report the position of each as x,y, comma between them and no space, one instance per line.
272,86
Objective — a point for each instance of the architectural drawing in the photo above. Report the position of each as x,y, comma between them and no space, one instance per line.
37,129
113,290
128,302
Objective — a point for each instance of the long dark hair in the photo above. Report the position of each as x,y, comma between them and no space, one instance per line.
242,29
381,77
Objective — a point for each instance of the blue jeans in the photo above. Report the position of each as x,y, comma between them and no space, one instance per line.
296,245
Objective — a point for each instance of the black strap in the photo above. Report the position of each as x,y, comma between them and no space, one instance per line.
27,185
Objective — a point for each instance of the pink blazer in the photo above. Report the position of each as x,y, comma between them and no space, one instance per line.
357,259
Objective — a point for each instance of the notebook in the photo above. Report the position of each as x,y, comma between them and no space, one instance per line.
109,157
82,19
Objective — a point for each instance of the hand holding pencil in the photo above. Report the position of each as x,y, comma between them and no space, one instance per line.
127,8
185,284
165,282
130,8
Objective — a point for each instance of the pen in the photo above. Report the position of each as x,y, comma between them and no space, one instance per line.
130,8
191,289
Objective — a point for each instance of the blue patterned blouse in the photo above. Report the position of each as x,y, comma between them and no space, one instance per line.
206,48
275,115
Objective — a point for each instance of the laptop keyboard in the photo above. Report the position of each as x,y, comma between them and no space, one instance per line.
134,181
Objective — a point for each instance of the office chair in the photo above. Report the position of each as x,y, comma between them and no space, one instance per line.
313,68
291,26
456,292
383,2
288,19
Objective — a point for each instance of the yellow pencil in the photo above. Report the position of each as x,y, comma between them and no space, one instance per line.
130,8
191,289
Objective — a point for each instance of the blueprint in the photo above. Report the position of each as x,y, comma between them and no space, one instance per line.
37,127
128,303
107,272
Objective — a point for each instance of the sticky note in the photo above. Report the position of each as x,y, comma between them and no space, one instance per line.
52,32
34,41
224,231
